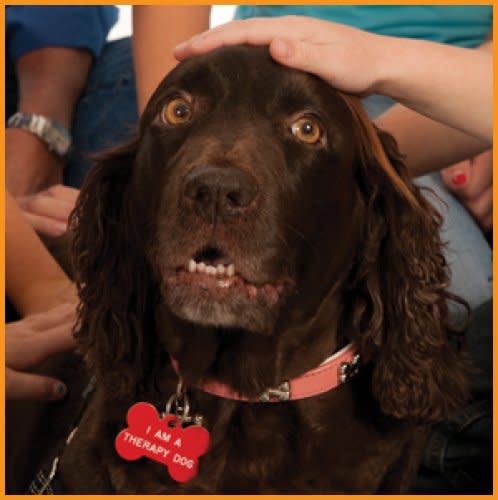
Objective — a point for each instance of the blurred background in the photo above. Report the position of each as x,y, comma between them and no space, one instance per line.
219,14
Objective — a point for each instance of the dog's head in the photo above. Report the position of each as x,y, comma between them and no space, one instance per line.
250,185
256,198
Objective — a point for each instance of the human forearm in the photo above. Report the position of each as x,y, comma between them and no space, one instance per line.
42,296
427,145
34,281
448,84
50,81
156,31
30,166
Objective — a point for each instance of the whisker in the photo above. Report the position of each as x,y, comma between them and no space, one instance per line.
301,235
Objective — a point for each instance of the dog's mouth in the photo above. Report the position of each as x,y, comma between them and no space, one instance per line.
209,289
212,271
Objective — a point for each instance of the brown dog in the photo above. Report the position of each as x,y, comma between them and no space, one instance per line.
258,225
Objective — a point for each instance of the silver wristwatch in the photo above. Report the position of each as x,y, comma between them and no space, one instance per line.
53,134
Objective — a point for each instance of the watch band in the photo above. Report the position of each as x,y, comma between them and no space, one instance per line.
52,133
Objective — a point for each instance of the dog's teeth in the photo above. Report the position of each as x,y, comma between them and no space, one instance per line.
218,270
223,283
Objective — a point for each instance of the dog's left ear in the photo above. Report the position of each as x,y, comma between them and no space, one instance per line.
400,280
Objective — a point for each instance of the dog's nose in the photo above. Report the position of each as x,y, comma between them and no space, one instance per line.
219,191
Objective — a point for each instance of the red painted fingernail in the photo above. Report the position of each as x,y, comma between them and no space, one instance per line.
459,179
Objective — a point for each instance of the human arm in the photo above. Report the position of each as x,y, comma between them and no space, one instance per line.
28,342
51,50
50,82
156,31
34,281
427,145
44,296
440,81
470,180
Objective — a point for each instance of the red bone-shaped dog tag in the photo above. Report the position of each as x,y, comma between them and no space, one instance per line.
163,440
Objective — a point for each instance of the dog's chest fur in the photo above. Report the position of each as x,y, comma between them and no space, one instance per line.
295,447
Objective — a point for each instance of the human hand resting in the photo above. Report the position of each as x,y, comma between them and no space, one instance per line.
471,181
27,343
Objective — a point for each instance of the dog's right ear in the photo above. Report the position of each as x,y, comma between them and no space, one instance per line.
111,273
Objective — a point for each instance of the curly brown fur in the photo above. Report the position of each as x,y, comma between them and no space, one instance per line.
403,276
333,245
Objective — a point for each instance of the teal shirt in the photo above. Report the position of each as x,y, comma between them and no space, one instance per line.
465,26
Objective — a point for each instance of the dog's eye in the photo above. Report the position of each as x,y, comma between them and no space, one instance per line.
177,111
307,130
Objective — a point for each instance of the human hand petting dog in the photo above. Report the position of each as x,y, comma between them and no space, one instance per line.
471,181
30,341
302,43
48,211
413,72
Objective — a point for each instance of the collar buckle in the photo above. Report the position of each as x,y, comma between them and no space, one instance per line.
280,393
348,370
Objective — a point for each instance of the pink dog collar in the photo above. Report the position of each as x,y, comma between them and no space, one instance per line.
331,373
